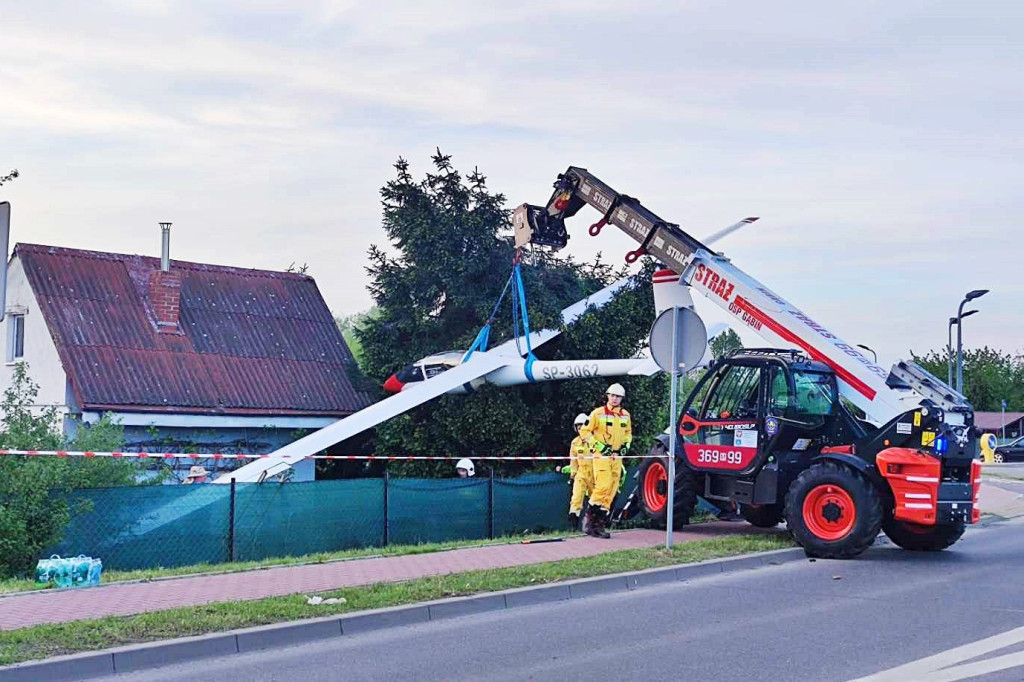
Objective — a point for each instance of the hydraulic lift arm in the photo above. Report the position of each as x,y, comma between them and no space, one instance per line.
881,393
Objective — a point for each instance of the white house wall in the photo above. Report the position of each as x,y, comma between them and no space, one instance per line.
44,366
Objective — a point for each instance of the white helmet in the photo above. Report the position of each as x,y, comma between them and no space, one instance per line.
581,419
616,389
466,464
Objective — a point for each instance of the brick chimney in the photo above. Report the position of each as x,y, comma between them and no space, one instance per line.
165,288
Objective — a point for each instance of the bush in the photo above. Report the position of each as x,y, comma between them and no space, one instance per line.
33,490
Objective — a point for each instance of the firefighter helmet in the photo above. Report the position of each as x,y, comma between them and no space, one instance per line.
616,389
581,419
466,464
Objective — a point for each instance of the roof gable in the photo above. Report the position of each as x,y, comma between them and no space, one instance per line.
250,341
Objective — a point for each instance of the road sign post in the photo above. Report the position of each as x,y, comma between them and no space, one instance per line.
678,341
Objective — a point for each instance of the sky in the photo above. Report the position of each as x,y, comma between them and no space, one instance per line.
880,142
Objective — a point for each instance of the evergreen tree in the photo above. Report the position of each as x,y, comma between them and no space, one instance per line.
725,342
451,255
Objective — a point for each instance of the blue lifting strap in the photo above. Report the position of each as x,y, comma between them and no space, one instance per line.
519,312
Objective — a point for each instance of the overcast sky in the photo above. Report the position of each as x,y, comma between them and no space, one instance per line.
880,142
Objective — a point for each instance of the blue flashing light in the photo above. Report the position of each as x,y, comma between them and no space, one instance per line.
941,444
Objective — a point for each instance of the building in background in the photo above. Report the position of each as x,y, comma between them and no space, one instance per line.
187,357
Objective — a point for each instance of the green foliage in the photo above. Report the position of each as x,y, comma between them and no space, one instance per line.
724,343
348,324
453,255
990,376
33,508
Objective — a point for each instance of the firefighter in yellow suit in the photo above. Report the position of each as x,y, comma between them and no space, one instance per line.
610,433
581,470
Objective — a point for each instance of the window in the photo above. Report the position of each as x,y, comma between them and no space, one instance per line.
815,396
15,337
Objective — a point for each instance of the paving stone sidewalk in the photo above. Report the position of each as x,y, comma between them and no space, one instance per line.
59,606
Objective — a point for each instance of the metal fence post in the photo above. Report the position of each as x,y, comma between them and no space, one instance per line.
387,477
231,523
490,505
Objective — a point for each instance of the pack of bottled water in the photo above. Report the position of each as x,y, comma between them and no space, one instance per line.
76,571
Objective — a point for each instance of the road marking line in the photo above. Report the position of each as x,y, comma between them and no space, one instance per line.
920,668
968,670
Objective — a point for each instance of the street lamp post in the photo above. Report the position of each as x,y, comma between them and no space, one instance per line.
971,295
873,353
949,346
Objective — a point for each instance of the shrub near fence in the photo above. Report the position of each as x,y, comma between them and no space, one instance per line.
146,527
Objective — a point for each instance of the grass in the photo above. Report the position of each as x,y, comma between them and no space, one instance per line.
109,576
43,641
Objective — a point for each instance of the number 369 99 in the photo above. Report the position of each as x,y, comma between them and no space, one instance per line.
719,456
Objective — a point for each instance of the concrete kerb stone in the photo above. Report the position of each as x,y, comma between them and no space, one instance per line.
61,668
284,634
378,619
153,654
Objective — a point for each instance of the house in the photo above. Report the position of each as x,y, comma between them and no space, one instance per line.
187,356
996,422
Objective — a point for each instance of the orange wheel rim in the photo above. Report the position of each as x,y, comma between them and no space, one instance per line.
829,512
655,500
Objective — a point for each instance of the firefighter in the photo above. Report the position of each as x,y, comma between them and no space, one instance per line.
610,433
580,470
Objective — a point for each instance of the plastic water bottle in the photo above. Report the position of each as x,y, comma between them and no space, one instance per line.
44,567
95,571
62,573
80,570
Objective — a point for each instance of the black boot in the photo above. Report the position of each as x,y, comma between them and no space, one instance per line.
597,528
574,521
590,521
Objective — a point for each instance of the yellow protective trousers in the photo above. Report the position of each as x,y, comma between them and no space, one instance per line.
582,486
607,472
582,474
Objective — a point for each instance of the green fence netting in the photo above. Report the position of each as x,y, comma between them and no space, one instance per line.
151,526
148,526
436,510
303,518
533,502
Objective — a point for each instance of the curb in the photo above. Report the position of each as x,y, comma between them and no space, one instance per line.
154,654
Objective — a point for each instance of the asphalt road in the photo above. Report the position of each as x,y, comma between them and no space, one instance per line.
820,620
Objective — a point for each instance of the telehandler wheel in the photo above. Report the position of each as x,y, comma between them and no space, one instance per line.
920,538
833,511
654,490
762,515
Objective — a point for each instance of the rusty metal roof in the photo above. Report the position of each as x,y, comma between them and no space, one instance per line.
251,341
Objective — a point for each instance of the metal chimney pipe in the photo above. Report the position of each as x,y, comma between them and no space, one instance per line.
165,247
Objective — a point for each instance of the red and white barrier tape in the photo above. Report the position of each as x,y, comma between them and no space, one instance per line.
220,455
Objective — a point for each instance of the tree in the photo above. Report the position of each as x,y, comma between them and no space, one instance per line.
347,324
453,254
990,376
33,505
7,178
724,343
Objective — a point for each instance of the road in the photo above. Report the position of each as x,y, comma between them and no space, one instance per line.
808,620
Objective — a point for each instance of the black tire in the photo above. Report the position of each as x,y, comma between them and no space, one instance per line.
998,458
685,490
918,538
830,531
762,515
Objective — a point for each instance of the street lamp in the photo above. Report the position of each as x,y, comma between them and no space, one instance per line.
949,345
971,295
860,345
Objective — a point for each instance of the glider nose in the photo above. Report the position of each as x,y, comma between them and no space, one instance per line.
393,385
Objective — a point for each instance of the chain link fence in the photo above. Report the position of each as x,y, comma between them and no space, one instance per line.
168,526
